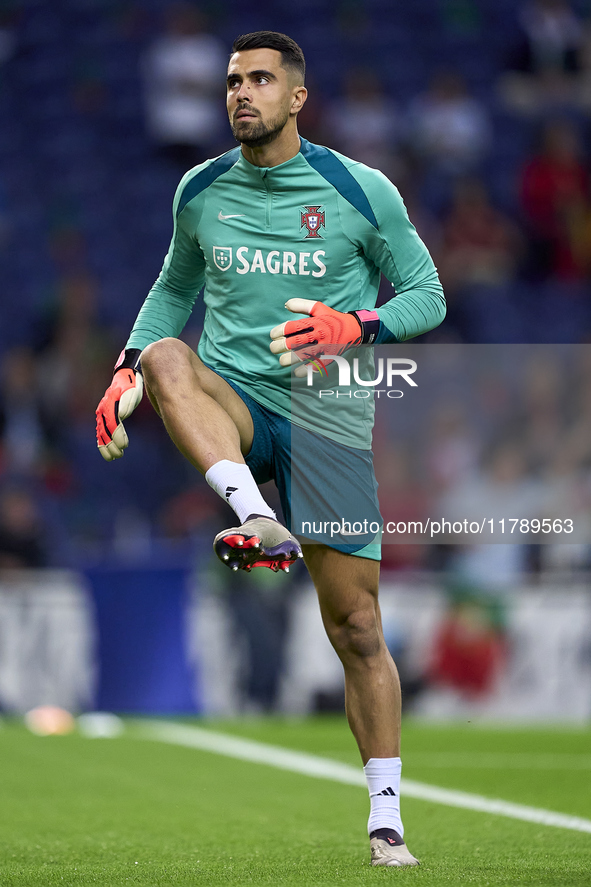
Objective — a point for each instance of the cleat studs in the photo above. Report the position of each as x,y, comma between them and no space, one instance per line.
286,569
234,567
226,557
240,542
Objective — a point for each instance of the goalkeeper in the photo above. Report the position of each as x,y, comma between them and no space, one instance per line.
288,240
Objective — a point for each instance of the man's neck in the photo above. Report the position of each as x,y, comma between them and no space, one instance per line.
282,149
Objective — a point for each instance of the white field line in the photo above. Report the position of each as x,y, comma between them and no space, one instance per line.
324,768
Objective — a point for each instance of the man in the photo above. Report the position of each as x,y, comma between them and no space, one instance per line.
270,221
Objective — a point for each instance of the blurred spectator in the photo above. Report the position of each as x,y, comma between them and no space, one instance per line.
545,63
452,451
567,479
184,73
77,355
555,201
23,436
552,36
503,487
578,394
567,490
449,128
480,244
364,123
501,490
469,649
539,423
22,542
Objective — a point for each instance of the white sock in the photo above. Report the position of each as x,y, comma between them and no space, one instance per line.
383,782
235,484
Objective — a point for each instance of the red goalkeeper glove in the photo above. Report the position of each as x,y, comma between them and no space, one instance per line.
324,330
120,400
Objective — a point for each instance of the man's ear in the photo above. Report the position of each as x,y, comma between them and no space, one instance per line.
300,94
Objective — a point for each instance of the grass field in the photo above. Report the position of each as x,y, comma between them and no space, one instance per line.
126,811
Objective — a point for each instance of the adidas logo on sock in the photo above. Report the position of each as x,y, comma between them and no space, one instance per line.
229,491
388,791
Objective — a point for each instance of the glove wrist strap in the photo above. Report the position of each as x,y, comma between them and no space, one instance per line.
129,359
369,323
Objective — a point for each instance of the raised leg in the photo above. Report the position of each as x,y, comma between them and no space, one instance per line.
212,426
203,415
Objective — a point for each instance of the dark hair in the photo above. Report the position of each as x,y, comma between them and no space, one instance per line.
291,54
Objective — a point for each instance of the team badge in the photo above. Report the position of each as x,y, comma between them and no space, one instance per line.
313,220
222,256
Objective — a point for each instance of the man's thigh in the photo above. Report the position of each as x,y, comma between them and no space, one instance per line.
228,399
211,384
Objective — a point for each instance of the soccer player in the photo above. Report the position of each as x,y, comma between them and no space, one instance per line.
279,225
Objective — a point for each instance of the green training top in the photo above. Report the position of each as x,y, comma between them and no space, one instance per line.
321,227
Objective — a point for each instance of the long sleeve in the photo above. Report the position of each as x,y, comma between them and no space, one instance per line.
169,303
397,250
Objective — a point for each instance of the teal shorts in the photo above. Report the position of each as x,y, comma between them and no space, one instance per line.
328,491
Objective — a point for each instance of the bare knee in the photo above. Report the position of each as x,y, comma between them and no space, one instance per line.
358,635
169,365
165,357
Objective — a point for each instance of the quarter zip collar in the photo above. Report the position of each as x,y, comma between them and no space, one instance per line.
274,172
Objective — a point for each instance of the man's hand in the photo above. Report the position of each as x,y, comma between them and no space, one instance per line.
120,400
323,330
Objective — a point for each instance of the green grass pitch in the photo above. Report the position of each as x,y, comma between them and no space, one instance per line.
126,811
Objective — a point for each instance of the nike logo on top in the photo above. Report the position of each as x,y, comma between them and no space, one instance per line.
223,218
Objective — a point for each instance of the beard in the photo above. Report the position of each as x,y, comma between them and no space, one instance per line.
255,134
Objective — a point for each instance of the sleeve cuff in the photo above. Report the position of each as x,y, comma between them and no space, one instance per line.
129,359
370,325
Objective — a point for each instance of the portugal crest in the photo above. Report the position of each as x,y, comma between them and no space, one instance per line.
313,220
222,256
